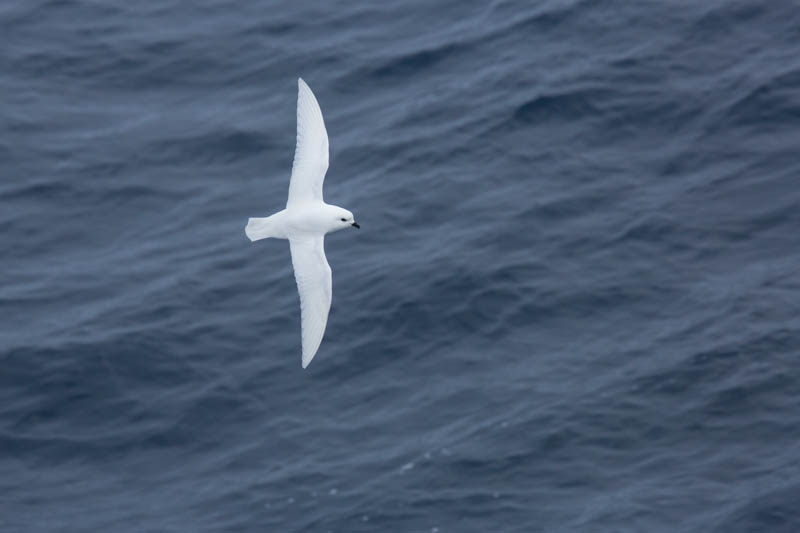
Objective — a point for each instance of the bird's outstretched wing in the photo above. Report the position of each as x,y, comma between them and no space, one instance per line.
311,152
313,276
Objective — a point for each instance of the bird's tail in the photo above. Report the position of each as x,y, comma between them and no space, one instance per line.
262,228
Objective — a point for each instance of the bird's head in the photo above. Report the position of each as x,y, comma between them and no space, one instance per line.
344,219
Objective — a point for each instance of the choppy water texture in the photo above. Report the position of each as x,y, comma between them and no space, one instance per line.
573,305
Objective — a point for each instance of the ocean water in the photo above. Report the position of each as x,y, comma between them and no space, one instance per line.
573,305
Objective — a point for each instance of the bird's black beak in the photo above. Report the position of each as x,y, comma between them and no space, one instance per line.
355,225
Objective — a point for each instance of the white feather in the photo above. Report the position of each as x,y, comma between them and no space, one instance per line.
311,153
313,276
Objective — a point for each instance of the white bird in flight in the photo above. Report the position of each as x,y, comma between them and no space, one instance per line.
306,220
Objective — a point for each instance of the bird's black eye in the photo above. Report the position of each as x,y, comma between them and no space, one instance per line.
344,220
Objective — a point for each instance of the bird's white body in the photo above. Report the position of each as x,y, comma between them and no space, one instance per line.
306,220
310,219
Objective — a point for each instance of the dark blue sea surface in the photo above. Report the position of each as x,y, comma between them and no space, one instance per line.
573,305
